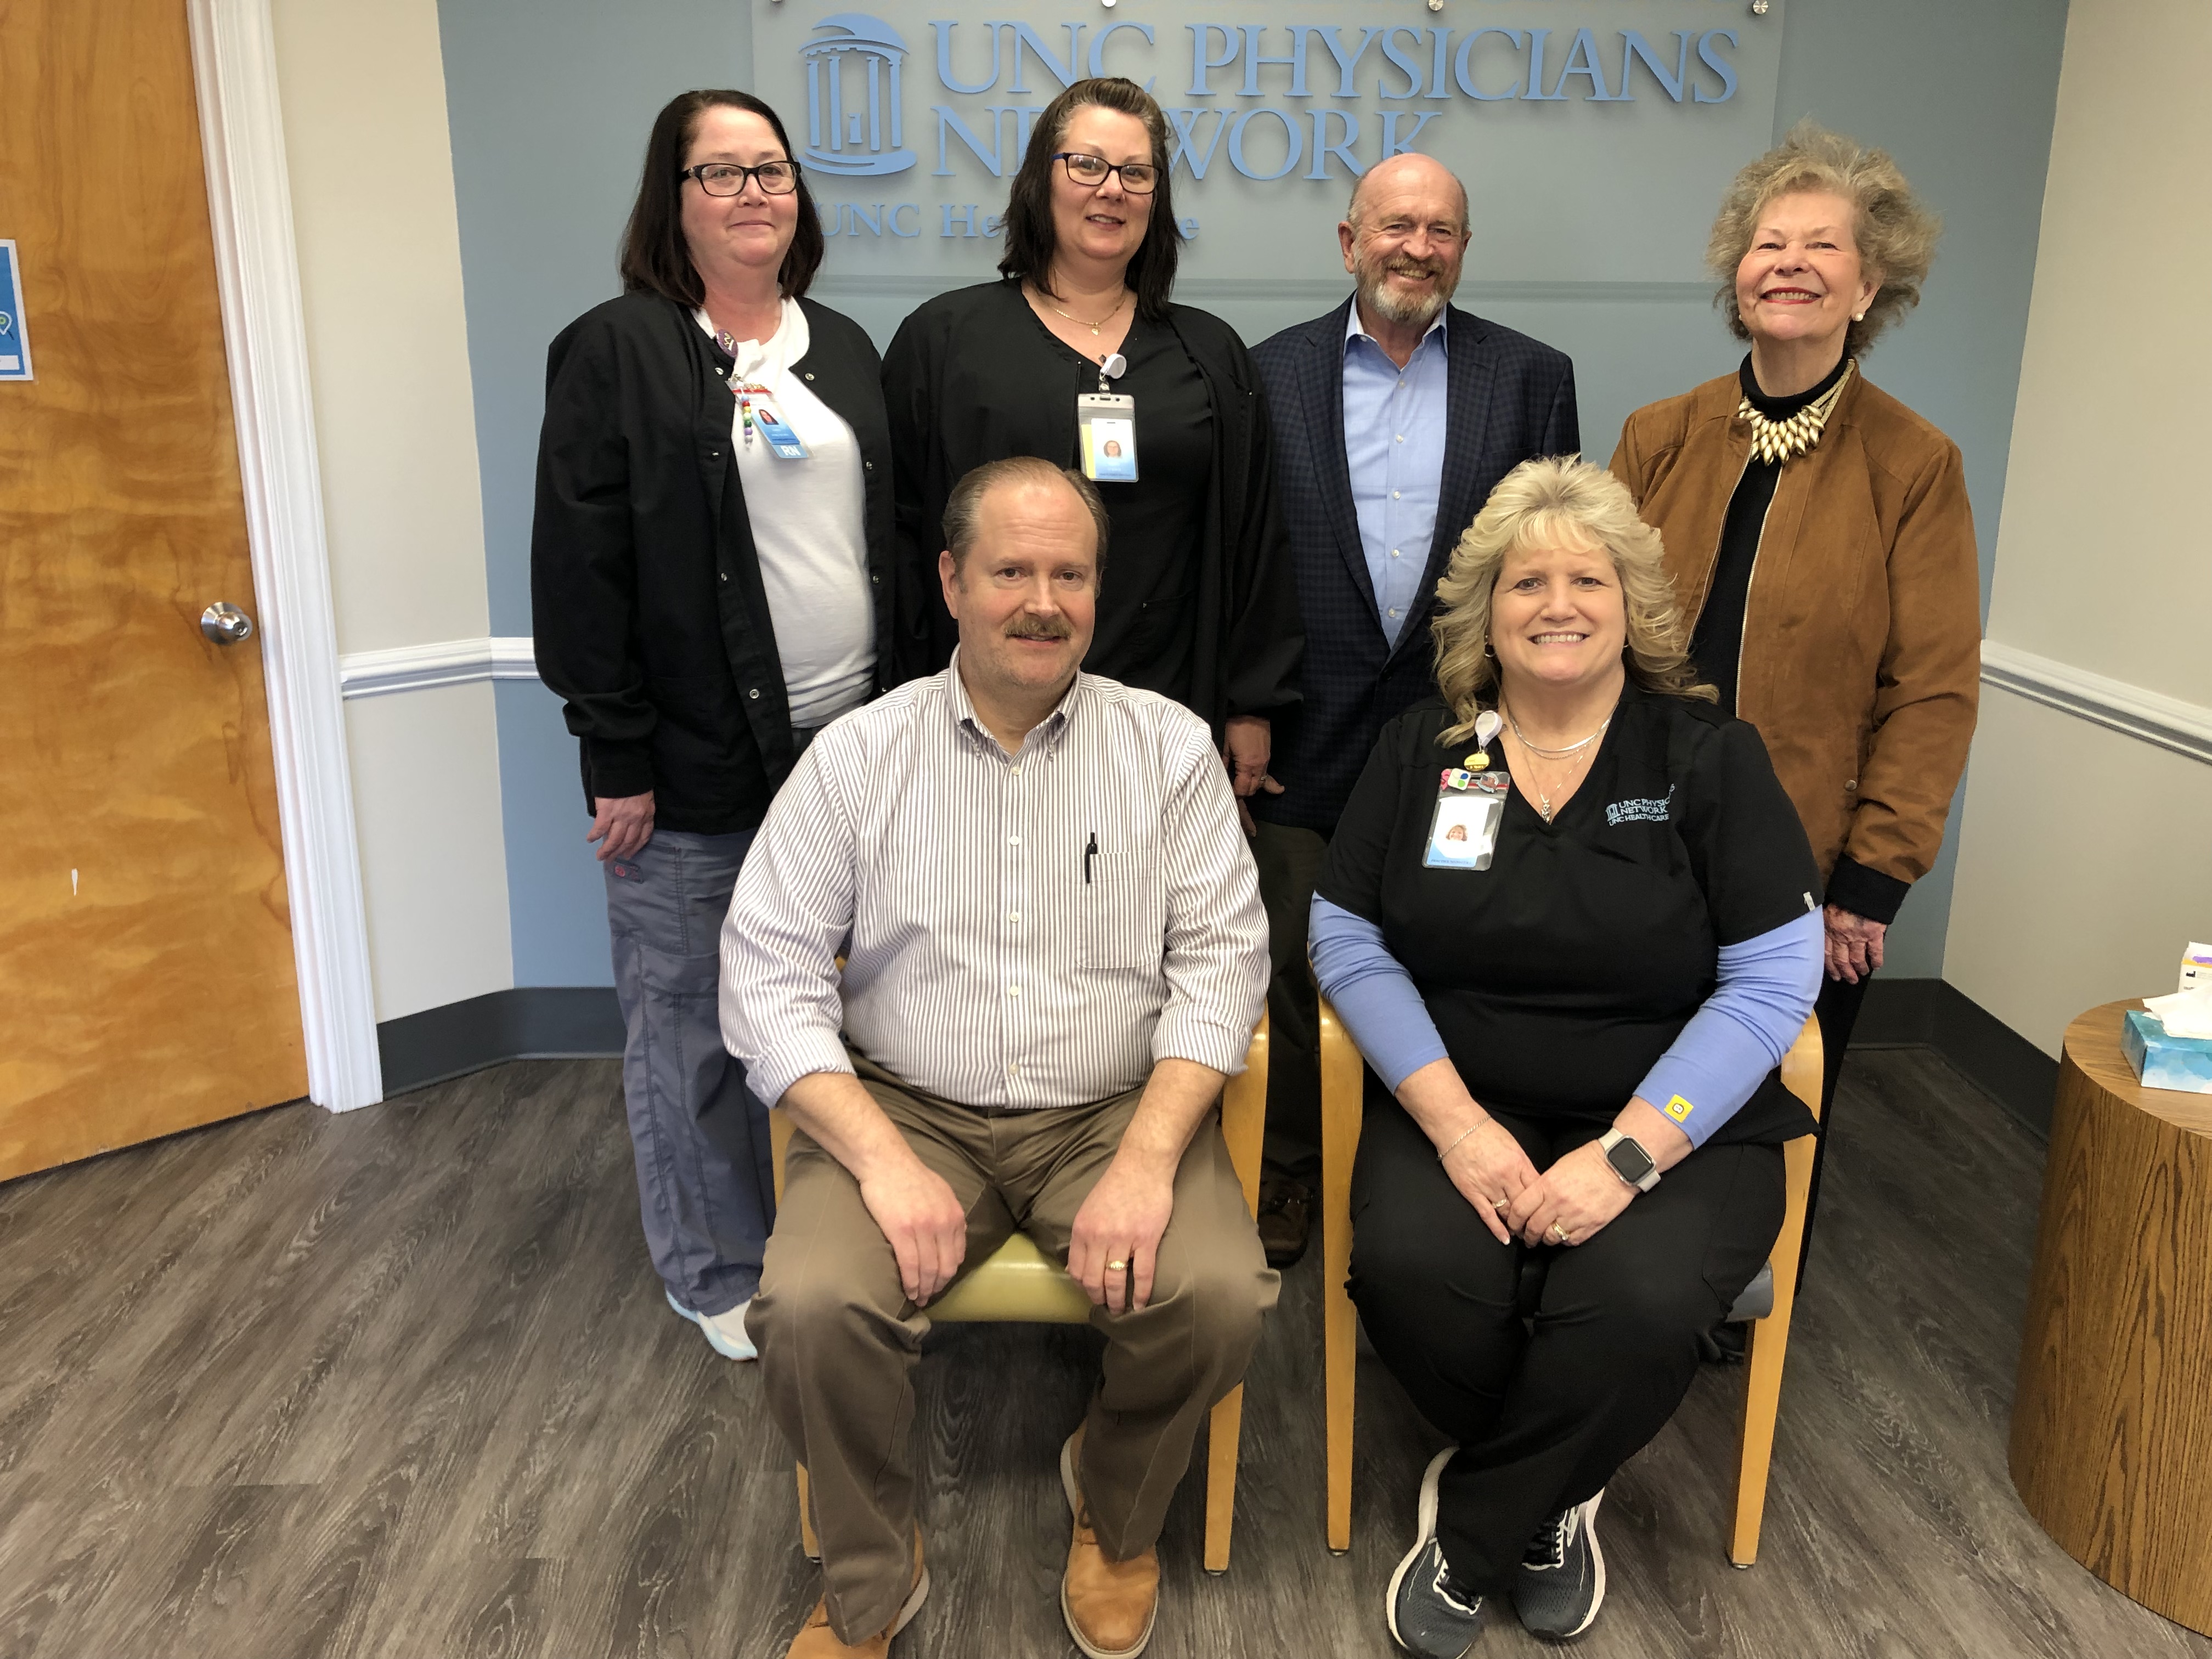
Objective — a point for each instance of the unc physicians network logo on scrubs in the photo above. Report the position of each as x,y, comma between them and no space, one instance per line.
853,67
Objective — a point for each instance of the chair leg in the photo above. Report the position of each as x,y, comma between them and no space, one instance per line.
1769,1344
808,1543
1222,1428
1340,1115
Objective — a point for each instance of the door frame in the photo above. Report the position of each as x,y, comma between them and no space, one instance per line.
264,335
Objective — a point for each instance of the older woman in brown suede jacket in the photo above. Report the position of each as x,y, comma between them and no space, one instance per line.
1818,533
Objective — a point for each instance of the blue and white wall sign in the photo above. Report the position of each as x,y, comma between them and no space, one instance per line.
838,141
15,344
1578,125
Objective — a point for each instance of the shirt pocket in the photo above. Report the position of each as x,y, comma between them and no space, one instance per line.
1120,912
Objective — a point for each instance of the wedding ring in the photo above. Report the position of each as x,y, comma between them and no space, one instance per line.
1558,1232
1118,1266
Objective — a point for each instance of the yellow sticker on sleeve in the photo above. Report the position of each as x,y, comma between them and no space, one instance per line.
1679,1109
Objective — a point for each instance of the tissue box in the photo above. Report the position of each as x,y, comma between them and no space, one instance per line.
2163,1061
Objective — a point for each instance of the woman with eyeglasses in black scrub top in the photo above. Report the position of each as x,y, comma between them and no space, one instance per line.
1199,602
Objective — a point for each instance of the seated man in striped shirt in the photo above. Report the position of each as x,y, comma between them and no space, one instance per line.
1056,954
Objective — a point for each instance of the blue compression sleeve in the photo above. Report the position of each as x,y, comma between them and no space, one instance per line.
1373,995
1766,988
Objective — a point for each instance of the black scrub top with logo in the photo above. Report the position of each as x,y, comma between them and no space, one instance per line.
1148,600
1560,975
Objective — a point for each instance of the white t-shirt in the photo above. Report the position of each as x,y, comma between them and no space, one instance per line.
808,527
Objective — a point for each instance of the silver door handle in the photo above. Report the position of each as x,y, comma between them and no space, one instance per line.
225,624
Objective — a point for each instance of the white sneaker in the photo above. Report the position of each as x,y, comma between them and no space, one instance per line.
725,1331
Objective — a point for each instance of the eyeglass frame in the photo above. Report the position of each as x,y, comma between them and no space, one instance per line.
749,176
1114,167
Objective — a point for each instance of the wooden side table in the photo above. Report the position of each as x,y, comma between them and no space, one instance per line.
2111,1427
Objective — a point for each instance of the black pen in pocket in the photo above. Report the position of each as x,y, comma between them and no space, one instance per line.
1089,854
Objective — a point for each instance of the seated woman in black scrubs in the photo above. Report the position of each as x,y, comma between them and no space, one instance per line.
1199,604
1571,1010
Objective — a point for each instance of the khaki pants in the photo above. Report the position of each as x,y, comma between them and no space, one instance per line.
839,1340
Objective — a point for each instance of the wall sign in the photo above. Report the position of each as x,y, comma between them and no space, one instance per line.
1580,127
14,345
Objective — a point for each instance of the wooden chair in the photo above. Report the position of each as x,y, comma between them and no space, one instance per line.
1021,1284
1341,1079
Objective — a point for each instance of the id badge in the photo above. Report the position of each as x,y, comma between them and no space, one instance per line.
756,414
1106,426
782,442
1463,834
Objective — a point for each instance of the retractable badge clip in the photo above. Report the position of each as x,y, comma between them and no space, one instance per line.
1106,426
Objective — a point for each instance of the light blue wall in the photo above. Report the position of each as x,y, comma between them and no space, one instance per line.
550,101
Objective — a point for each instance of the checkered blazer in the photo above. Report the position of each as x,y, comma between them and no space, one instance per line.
1508,398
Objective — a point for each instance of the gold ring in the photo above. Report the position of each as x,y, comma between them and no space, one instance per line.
1118,1266
1561,1233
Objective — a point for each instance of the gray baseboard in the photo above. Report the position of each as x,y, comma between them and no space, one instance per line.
574,1022
538,1022
1933,1013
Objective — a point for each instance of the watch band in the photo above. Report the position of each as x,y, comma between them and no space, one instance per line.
1641,1170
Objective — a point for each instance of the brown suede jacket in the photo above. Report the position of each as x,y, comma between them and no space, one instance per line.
1862,659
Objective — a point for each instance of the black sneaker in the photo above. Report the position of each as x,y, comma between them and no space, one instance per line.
1561,1583
1430,1616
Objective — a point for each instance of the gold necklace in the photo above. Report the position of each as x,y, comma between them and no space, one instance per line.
1085,322
1776,441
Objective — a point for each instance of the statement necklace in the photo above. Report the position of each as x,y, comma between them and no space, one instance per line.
1776,441
1085,322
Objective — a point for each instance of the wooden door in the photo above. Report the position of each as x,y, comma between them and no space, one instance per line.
145,970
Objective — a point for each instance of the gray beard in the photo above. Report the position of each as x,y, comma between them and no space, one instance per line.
1411,313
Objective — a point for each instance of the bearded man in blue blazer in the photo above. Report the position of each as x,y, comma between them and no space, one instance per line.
1394,415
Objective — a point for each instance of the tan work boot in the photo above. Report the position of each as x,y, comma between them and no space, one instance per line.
1109,1605
816,1640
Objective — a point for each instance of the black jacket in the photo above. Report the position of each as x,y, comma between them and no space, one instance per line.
1246,636
651,618
1507,397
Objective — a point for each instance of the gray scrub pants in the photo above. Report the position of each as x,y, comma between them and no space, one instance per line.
705,1180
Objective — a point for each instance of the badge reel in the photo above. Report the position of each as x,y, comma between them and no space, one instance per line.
1470,805
1106,428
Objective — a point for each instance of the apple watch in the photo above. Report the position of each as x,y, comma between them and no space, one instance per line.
1629,1161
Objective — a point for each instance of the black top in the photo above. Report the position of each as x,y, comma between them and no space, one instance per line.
1147,619
1716,643
651,619
1560,975
1198,598
1507,397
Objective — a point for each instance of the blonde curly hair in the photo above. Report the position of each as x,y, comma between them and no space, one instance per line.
1559,500
1894,231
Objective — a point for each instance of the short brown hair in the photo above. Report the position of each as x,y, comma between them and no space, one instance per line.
655,259
1895,234
1538,500
1030,239
964,506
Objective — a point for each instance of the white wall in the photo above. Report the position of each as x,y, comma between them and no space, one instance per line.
2086,856
364,99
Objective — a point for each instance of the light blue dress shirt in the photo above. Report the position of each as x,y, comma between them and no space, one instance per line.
1394,445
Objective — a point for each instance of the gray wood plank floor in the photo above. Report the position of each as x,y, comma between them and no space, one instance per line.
401,1383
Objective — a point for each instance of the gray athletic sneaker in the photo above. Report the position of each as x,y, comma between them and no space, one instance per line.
1561,1583
1430,1616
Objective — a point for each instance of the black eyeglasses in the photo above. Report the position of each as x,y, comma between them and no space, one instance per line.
729,179
1137,178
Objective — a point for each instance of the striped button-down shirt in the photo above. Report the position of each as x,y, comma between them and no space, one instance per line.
1021,930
